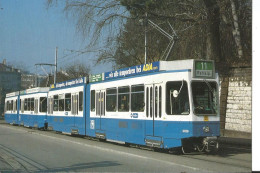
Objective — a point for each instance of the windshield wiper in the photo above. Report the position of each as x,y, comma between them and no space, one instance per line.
210,88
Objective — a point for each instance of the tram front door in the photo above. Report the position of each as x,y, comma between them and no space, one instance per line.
153,96
153,108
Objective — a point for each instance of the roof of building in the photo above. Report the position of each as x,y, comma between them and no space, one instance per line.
6,68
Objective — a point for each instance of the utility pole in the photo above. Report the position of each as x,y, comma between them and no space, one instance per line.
56,56
145,38
55,66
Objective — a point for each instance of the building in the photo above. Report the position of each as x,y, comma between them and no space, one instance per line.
10,80
29,80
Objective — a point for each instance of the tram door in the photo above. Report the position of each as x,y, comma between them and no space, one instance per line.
100,108
75,109
153,95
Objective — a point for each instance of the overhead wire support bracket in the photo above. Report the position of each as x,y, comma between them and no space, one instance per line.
170,37
43,69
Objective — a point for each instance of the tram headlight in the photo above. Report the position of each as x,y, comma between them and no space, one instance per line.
206,129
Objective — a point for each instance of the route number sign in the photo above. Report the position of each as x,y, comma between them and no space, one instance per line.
204,69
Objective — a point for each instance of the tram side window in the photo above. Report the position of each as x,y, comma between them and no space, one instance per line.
147,102
55,103
177,99
36,106
81,101
10,105
68,102
137,98
43,104
50,107
25,104
5,108
14,105
111,96
22,105
93,93
61,102
123,99
28,104
32,104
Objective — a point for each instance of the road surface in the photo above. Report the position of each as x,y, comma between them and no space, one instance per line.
31,150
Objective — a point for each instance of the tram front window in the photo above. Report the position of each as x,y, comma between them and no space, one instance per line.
204,97
177,98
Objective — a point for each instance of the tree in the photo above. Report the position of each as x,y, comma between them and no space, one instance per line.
70,72
205,28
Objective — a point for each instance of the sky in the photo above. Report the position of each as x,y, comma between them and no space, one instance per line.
30,32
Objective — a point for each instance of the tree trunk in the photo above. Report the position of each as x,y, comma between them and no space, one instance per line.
213,50
236,30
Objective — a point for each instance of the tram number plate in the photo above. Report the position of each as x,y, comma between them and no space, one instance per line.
206,118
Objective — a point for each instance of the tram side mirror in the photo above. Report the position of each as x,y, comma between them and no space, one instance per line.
175,93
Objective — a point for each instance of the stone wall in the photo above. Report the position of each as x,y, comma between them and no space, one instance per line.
236,100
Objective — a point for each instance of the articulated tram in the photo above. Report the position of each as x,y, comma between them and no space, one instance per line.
165,104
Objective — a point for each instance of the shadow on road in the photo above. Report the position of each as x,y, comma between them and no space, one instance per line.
82,166
227,150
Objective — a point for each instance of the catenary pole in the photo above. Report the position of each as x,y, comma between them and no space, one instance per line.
55,73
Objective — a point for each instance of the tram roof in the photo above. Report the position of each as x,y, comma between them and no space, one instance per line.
191,64
34,90
12,94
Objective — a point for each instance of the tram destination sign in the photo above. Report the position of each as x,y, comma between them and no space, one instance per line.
69,83
96,77
204,69
135,70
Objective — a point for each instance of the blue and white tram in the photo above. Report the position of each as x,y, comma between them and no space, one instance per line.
175,105
66,111
12,105
33,109
165,104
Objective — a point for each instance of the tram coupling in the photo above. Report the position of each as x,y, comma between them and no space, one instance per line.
210,144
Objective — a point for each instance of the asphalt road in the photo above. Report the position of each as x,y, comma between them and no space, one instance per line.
24,149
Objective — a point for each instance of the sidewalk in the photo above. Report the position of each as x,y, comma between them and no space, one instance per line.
235,141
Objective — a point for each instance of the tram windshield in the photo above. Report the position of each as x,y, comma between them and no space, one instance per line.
204,97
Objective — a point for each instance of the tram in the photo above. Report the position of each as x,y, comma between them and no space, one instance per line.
33,107
12,108
66,107
164,104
